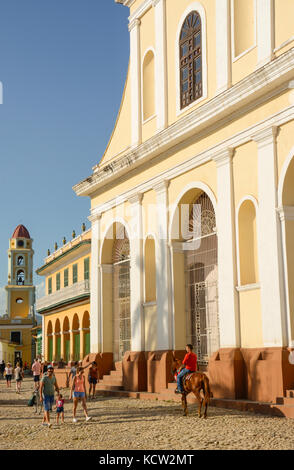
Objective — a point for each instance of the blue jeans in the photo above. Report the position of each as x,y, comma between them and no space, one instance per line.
179,379
48,402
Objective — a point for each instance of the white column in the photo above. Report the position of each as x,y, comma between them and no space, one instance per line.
269,242
160,63
163,271
135,72
223,45
265,31
95,284
227,271
136,281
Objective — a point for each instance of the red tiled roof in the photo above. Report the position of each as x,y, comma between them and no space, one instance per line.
21,232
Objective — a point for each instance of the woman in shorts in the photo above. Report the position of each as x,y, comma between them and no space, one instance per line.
8,374
18,374
78,392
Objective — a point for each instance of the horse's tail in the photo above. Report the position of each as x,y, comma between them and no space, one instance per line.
206,390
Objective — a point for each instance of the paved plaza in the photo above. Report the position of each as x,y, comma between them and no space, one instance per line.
127,423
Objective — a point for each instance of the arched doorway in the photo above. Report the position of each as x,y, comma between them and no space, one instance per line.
121,296
195,268
86,333
66,339
286,208
76,338
57,337
49,342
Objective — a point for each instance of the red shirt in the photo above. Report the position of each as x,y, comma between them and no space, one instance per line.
190,361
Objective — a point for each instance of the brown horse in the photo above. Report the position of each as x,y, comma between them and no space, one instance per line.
197,382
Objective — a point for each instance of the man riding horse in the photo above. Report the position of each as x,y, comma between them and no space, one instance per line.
189,365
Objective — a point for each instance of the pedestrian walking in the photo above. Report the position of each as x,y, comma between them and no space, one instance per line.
72,372
2,368
48,384
44,367
8,374
93,378
36,368
78,392
18,375
59,408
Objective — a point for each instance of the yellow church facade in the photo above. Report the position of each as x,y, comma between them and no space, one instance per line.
19,319
65,307
192,203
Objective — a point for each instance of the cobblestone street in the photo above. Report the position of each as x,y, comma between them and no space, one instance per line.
127,423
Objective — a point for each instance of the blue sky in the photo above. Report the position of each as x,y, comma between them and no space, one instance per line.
63,65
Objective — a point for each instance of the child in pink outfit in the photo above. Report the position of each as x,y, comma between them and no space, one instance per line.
59,408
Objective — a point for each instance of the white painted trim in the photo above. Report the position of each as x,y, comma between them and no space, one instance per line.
283,174
194,6
144,121
161,93
201,121
135,72
119,220
284,44
248,287
141,10
193,185
255,203
234,57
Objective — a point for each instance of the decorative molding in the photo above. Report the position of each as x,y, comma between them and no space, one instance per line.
95,217
265,136
134,23
286,213
248,287
106,268
224,157
236,140
201,121
161,187
141,10
136,198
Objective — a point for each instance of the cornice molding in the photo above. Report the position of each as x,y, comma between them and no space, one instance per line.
249,93
139,12
197,160
126,3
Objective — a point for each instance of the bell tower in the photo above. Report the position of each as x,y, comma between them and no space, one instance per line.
20,288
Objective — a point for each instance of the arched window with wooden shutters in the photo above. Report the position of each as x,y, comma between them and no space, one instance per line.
190,59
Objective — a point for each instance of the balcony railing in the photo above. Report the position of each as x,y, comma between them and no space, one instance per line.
63,295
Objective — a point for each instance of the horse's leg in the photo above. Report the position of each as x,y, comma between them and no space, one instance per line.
184,402
200,400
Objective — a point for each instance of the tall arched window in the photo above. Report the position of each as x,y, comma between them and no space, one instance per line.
248,243
148,86
121,295
20,278
191,59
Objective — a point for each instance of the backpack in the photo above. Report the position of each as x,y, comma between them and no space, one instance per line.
32,400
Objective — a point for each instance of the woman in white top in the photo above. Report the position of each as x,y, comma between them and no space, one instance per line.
18,375
8,374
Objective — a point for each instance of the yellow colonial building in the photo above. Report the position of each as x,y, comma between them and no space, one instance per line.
192,203
65,308
19,319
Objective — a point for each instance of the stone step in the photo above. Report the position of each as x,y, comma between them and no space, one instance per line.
172,386
108,387
112,381
285,401
118,366
116,373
